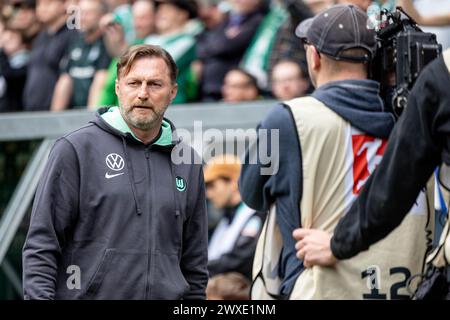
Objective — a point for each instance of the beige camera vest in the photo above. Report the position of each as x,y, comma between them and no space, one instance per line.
337,159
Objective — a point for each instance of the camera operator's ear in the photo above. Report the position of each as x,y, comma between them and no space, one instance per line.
315,58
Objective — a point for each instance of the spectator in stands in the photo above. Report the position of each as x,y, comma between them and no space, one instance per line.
24,19
49,49
143,23
84,73
288,81
210,13
176,26
239,85
286,45
228,286
121,13
143,17
233,242
274,40
14,57
222,47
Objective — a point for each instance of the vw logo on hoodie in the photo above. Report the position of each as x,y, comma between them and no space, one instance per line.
115,162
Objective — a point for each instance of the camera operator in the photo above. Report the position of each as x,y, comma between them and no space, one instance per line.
329,144
418,144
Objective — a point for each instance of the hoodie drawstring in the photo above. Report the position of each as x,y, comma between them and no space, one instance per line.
177,206
178,214
131,177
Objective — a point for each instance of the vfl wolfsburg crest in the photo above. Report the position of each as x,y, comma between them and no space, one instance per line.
180,183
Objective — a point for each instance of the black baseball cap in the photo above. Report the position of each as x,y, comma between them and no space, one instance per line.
337,29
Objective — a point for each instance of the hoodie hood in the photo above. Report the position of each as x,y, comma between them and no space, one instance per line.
110,119
358,102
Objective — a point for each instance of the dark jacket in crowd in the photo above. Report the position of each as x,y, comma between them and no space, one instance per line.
47,54
219,53
13,74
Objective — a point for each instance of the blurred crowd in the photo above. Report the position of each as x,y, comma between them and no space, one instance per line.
62,54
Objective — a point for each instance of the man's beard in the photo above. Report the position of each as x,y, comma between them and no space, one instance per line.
142,123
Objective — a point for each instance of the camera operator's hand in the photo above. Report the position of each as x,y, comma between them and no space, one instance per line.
313,247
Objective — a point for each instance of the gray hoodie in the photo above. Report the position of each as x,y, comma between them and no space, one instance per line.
116,219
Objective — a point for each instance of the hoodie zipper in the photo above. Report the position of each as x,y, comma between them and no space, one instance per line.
147,285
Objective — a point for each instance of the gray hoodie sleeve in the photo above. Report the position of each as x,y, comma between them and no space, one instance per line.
194,257
55,206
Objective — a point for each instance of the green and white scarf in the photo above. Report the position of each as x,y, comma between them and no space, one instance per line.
256,57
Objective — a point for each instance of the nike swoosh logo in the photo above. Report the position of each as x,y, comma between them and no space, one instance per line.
109,176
